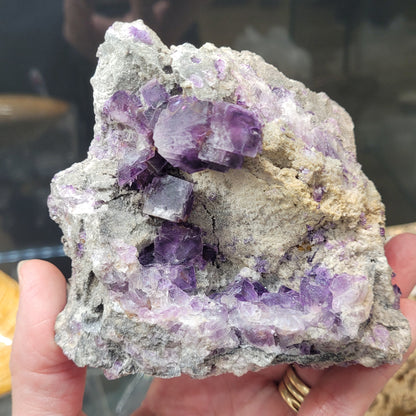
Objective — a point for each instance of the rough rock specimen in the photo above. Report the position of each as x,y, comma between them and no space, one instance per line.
220,223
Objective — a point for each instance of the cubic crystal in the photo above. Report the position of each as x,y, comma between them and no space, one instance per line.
169,198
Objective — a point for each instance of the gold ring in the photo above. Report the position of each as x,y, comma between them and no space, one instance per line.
292,389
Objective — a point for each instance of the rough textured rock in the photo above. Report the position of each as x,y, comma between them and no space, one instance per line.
398,396
220,223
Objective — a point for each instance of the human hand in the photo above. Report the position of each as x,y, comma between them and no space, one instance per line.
45,382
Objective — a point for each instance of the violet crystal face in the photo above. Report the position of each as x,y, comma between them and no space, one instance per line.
169,198
221,222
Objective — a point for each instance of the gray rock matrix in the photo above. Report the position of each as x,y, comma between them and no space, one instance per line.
299,272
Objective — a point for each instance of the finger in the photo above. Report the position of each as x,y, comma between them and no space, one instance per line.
350,391
44,381
401,254
273,373
227,394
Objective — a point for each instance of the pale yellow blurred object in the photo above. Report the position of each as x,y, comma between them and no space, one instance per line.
401,228
26,117
9,300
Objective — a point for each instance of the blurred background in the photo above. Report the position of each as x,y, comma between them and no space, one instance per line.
362,53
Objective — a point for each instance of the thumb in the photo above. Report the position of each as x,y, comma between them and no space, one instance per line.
44,381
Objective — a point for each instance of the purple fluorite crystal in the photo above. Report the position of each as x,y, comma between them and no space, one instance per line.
285,297
154,94
195,135
244,290
125,122
234,133
130,172
184,278
180,131
140,35
183,264
169,198
178,244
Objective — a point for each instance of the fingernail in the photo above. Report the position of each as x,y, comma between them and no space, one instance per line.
19,267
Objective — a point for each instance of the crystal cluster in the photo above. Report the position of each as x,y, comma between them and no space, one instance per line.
220,223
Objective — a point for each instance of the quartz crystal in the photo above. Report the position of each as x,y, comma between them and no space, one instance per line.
221,222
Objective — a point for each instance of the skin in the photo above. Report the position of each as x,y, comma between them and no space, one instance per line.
45,382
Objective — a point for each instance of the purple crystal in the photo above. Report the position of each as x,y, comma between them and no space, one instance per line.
180,131
124,108
194,135
340,284
220,67
397,294
151,116
220,160
281,92
183,277
316,236
244,290
259,336
127,174
363,219
381,336
261,265
305,348
127,136
120,287
318,193
315,294
286,298
141,35
209,253
178,244
320,275
157,164
147,255
236,132
196,80
259,288
169,198
143,179
154,93
324,143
